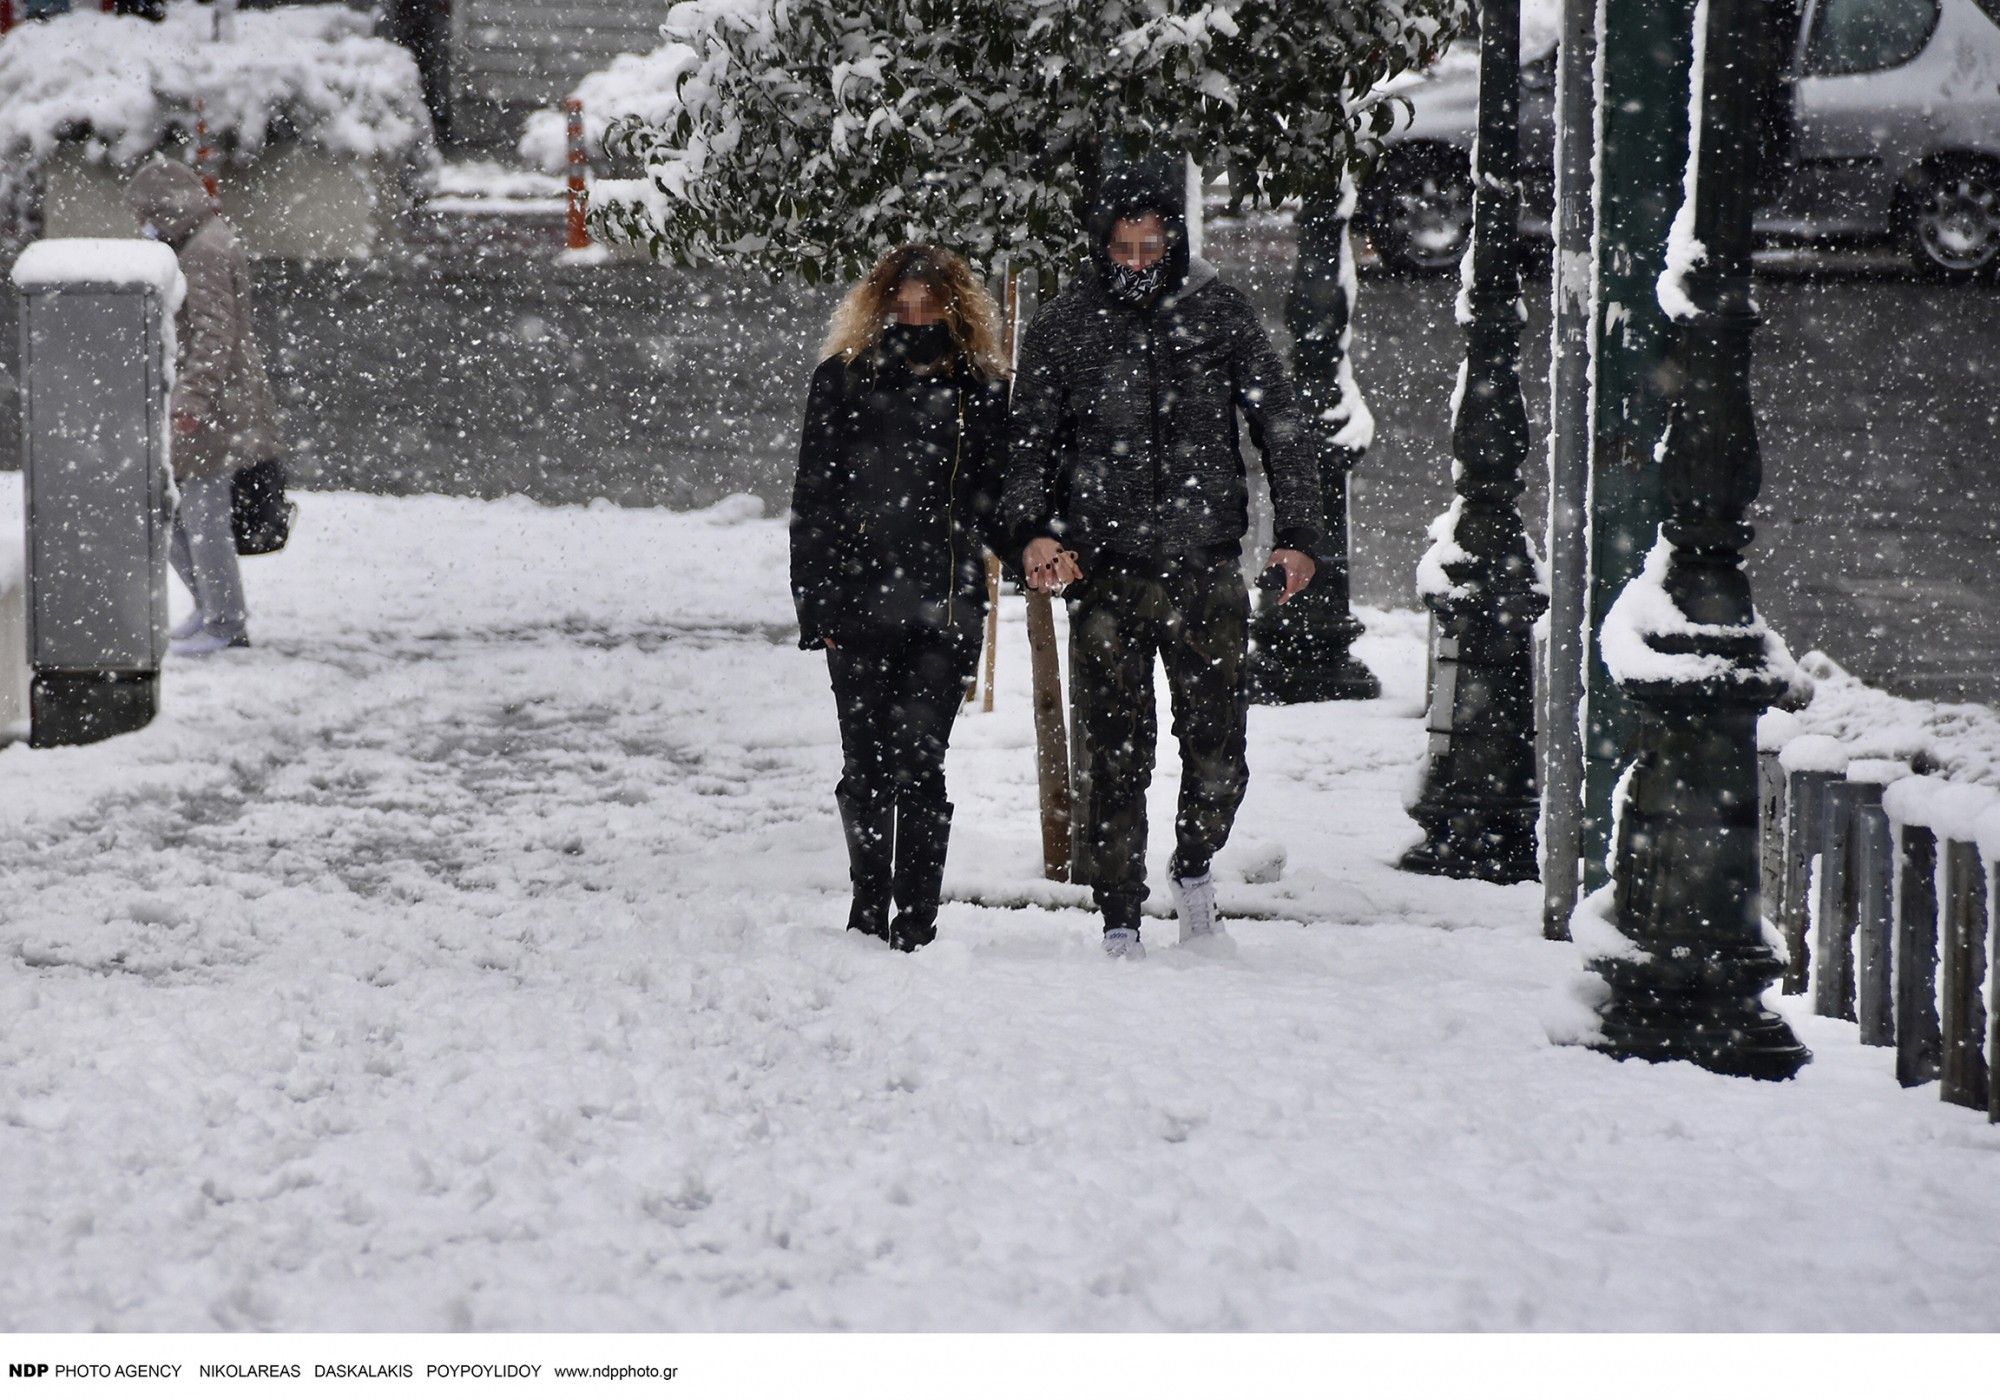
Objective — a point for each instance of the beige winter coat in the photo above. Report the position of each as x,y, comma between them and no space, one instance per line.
221,382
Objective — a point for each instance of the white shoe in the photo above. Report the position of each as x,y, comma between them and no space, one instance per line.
186,627
206,643
1123,943
1194,902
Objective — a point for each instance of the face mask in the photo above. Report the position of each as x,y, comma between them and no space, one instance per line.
920,345
151,230
1137,283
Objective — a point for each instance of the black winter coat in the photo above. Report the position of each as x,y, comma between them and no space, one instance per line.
1124,437
899,478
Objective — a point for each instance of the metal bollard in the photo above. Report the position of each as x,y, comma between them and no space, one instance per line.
1846,873
1914,940
96,319
1962,1075
1874,968
13,649
1986,837
1771,835
1834,920
1810,763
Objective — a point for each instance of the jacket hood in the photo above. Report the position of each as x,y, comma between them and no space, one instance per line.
170,197
1154,186
1200,273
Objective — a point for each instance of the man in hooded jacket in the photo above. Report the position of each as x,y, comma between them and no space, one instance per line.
224,416
1126,485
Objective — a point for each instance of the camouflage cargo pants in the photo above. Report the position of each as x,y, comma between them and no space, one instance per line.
1195,618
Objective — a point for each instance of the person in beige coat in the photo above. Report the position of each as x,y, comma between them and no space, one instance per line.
224,416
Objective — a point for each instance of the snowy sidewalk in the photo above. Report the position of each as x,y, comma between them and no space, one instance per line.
467,955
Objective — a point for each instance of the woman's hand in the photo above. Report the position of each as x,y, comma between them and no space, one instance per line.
1047,565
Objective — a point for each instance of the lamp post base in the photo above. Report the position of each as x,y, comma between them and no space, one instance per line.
1745,1040
1299,650
1342,678
1494,845
1686,893
1299,654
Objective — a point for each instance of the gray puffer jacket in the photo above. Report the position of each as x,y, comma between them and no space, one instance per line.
1124,422
221,382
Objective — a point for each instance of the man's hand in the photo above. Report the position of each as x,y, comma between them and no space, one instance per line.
186,424
1047,565
1299,569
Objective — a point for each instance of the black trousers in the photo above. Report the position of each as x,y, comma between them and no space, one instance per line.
1196,618
897,695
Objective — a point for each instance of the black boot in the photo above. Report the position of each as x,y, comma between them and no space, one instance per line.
922,834
869,827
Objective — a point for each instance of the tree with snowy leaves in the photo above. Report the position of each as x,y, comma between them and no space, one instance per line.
808,135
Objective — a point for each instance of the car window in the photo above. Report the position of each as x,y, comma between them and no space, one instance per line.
1866,36
1992,8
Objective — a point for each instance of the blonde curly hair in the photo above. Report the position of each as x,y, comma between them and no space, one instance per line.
969,312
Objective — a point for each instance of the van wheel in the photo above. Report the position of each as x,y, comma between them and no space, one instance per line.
1953,228
1420,211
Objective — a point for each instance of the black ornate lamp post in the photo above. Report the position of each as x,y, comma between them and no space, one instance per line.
1478,804
1301,649
1686,865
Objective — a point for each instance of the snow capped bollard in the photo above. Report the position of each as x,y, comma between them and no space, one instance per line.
1953,813
1775,729
97,326
1848,845
1913,936
1871,884
1809,762
1986,837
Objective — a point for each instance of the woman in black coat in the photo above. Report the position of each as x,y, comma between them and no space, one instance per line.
900,472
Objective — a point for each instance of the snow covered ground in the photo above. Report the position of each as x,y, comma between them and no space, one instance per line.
467,955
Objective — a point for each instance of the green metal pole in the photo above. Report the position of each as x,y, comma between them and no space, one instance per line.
1301,649
1686,891
1477,804
1642,150
1569,470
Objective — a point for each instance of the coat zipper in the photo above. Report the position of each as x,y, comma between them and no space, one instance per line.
951,500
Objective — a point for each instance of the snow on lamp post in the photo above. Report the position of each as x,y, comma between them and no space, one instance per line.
1302,647
1689,963
1479,578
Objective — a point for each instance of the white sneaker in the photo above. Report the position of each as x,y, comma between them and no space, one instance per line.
206,643
1194,903
185,628
1123,943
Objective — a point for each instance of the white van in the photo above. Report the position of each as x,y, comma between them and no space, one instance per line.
1894,134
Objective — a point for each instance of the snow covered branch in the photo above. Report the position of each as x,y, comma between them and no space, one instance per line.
803,138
